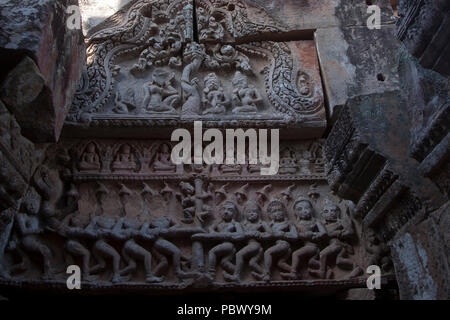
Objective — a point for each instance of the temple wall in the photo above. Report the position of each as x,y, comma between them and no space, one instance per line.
86,174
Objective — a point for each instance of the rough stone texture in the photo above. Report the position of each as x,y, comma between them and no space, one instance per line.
385,148
348,73
95,12
18,161
428,95
424,28
266,19
421,265
37,29
337,70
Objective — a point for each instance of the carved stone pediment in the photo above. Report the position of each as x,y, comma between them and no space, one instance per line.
156,69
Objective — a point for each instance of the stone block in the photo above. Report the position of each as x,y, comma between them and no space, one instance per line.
245,20
38,29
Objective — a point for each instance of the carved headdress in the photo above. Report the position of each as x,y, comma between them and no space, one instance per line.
212,82
276,205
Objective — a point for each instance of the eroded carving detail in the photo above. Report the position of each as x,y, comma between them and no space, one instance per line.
137,228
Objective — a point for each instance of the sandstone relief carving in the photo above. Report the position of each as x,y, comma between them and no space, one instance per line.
166,226
150,69
144,158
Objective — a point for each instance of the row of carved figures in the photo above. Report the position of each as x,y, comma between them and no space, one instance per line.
158,158
161,95
311,244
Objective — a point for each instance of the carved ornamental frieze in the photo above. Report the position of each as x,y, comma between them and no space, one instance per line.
166,66
130,218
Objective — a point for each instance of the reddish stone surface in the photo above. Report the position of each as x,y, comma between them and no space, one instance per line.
38,29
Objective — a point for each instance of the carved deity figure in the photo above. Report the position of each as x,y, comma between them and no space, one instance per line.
194,54
50,187
228,56
339,232
124,159
160,95
227,229
254,229
155,230
101,228
162,47
163,162
188,202
90,159
127,230
213,31
282,230
310,232
215,97
305,163
29,227
288,163
72,227
246,98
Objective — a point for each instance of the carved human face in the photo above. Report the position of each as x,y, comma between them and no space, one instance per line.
331,212
91,148
304,210
278,213
159,77
252,214
211,82
240,81
228,211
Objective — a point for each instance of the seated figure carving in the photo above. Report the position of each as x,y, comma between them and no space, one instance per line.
160,95
90,159
246,98
214,30
288,162
163,162
215,97
124,159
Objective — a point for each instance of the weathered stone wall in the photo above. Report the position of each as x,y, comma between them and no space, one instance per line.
389,152
312,68
43,60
